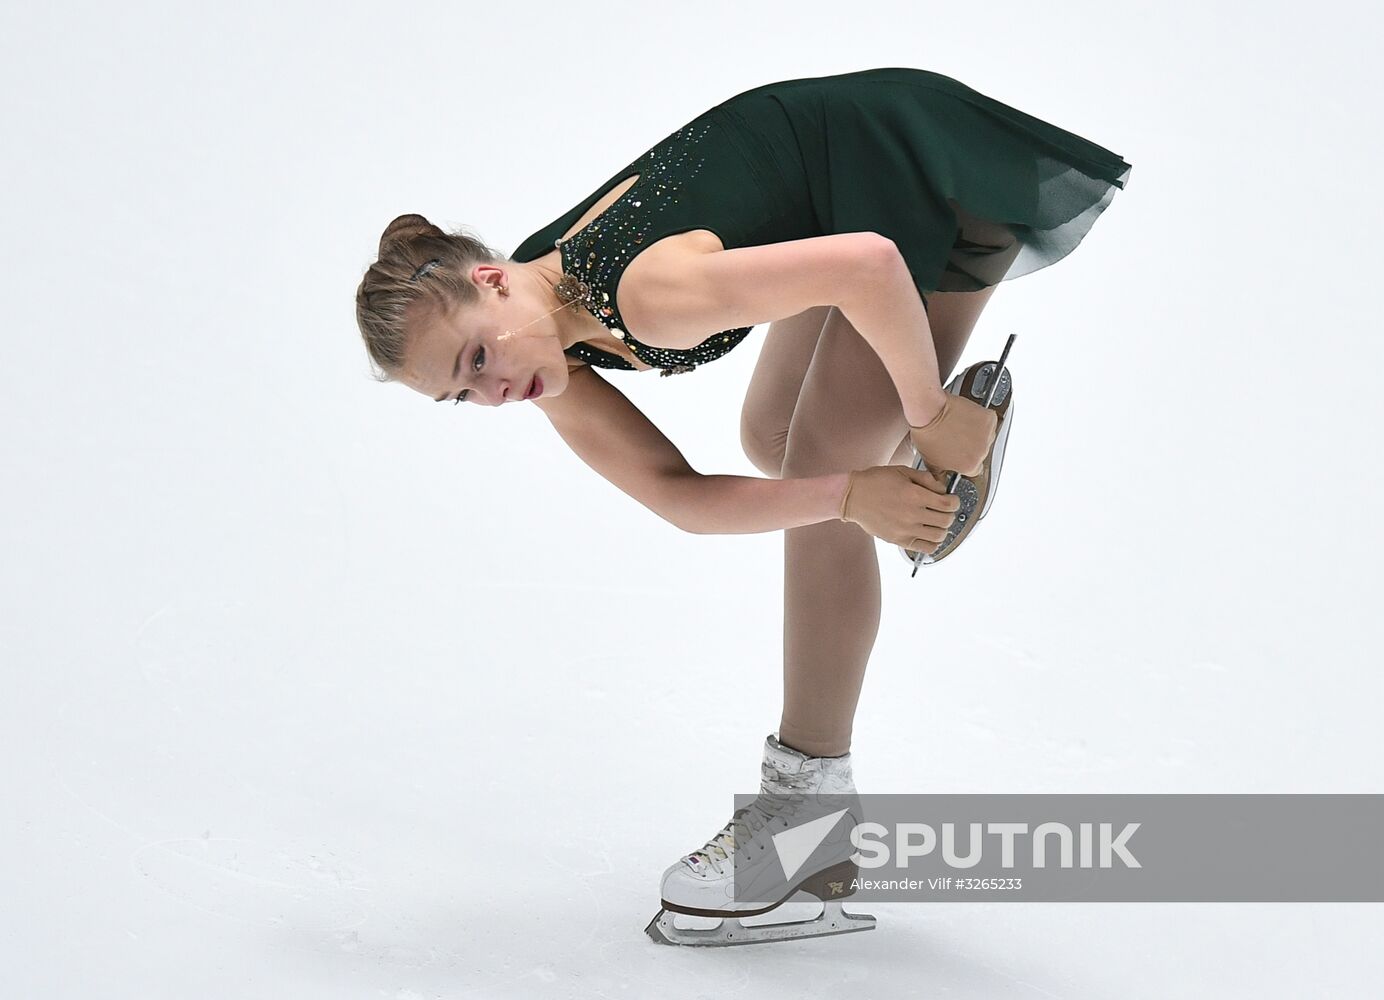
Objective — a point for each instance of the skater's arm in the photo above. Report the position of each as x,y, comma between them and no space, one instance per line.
674,304
888,313
614,437
737,505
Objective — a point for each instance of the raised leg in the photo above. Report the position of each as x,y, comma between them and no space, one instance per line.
774,386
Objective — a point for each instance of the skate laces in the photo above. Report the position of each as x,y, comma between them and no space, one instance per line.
779,794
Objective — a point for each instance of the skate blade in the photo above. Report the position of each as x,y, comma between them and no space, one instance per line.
833,919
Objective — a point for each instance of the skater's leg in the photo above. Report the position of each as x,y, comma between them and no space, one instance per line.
773,391
844,414
788,346
848,416
847,411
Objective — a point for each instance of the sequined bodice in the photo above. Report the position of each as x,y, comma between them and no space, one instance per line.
670,196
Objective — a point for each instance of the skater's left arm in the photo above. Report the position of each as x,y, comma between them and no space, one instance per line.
861,274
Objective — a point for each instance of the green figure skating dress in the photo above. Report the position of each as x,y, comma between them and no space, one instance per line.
971,190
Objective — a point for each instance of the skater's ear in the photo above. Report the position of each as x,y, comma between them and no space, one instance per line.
674,303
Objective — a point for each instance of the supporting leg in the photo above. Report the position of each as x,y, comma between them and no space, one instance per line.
848,416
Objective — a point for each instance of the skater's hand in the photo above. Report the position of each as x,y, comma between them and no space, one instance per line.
958,438
909,507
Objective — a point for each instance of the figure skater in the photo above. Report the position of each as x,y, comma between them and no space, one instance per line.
867,218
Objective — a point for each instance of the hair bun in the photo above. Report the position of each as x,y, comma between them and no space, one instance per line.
408,227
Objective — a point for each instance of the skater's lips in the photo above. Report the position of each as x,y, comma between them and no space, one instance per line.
505,397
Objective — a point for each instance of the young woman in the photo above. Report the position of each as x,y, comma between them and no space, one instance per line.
867,218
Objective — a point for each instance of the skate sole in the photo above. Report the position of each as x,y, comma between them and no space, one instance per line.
732,931
826,885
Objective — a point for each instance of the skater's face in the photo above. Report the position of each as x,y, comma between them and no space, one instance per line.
478,353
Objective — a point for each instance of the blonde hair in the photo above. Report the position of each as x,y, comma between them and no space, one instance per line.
388,294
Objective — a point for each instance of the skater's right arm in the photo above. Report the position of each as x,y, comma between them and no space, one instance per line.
614,437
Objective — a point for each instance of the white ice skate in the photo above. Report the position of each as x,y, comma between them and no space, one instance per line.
978,383
720,879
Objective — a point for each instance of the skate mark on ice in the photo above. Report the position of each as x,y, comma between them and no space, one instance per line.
1017,653
254,883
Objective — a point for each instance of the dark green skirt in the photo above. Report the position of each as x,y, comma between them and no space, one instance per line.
971,190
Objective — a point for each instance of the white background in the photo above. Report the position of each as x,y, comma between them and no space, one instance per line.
315,688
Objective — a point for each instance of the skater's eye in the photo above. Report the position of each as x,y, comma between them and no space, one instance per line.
477,363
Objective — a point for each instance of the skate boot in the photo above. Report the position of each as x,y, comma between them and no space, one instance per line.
976,492
738,873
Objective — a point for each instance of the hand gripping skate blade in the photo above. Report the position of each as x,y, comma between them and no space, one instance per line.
979,383
733,931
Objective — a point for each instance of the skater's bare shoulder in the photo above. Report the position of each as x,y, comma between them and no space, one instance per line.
614,437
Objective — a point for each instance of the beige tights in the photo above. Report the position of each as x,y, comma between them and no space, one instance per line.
821,401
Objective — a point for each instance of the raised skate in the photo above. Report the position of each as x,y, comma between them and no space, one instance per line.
979,383
719,880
